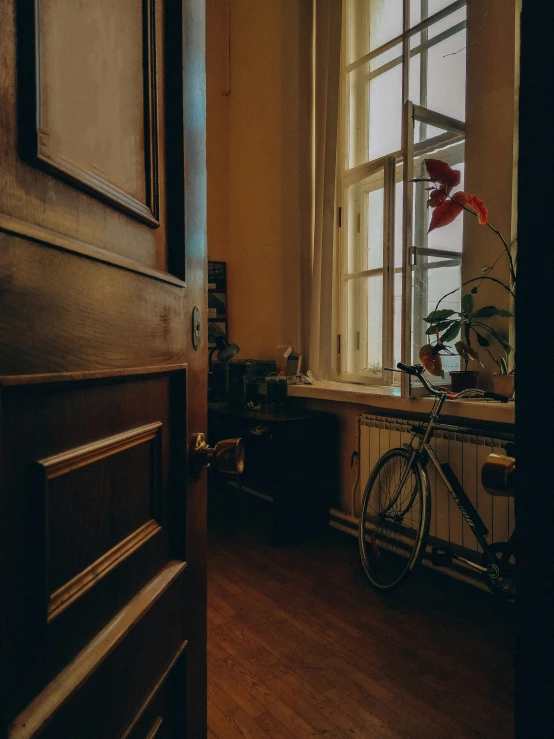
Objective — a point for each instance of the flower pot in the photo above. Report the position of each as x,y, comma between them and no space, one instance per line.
463,380
503,384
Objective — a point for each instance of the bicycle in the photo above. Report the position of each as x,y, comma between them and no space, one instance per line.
396,508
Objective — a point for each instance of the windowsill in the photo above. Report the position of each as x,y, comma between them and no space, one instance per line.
389,397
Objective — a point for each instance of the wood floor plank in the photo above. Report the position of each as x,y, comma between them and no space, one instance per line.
273,728
219,724
246,726
300,646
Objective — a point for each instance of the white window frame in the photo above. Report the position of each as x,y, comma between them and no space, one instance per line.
399,163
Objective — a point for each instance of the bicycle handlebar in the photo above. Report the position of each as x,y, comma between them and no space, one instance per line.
417,370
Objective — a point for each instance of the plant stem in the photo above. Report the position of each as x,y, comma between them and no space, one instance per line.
493,279
473,279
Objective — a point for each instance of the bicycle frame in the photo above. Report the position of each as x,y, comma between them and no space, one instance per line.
425,453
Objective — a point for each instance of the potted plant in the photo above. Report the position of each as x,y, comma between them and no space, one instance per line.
445,324
504,381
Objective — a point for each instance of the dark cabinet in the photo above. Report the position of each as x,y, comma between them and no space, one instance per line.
291,461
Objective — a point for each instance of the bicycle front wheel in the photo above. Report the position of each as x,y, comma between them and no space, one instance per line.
394,520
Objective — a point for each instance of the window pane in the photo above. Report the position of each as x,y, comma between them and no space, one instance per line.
385,113
451,20
373,241
422,9
446,76
441,281
364,298
450,238
390,58
385,21
364,224
398,209
356,324
374,356
397,318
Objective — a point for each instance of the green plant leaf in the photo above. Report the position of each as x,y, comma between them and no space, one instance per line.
490,310
501,340
466,351
482,340
467,303
451,332
439,315
437,327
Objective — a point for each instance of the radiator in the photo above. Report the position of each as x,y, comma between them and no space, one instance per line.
465,450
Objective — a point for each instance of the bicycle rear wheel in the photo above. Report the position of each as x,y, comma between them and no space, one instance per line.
394,520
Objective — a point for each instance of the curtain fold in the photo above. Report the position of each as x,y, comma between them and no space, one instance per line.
327,50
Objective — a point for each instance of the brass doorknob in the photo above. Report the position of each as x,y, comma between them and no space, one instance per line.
498,475
226,456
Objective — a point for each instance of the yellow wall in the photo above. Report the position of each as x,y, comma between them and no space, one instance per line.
259,164
491,144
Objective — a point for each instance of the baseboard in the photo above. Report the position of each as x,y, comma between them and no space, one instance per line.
457,570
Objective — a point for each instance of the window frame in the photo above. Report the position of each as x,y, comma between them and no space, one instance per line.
391,164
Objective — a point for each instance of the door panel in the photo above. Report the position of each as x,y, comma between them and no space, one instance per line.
102,533
100,692
88,118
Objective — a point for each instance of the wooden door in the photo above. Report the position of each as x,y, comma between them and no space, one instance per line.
102,261
534,499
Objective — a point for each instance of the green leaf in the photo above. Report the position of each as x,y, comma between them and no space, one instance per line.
466,351
501,340
451,332
481,340
490,310
439,315
467,303
437,327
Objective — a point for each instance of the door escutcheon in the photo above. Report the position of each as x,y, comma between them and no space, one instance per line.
196,326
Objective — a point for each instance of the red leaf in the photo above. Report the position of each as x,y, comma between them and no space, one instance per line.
443,173
448,211
432,362
436,198
460,197
480,208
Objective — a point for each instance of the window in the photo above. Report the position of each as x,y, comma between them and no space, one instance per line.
403,92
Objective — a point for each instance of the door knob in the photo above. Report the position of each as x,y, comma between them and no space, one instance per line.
498,475
226,456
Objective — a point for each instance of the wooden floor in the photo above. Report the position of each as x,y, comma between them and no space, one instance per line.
299,645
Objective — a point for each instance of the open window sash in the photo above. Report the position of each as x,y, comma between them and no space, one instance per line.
431,263
366,272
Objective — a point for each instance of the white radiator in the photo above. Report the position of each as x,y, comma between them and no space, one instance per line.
465,450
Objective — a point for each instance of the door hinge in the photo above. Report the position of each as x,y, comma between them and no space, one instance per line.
359,222
340,216
338,343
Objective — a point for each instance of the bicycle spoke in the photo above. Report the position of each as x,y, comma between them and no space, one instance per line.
392,519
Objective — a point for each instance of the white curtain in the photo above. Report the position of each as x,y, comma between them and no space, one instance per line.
327,32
